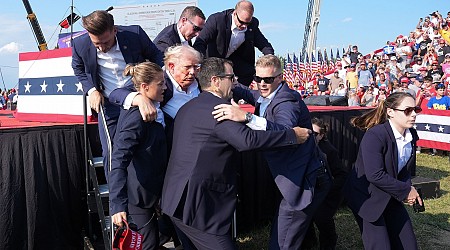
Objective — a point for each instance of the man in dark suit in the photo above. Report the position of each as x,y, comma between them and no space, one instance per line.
302,180
98,60
189,25
199,192
181,67
234,34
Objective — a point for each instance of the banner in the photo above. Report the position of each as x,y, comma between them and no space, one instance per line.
48,89
433,127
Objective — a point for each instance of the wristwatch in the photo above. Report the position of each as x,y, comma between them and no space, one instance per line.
248,117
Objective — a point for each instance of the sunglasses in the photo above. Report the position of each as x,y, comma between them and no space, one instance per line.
316,133
242,22
196,28
267,80
231,77
409,110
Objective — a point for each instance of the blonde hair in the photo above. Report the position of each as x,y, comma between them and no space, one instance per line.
269,61
175,52
144,72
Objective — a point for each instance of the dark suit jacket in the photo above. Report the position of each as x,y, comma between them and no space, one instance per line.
138,162
374,179
294,169
199,187
134,44
214,40
167,37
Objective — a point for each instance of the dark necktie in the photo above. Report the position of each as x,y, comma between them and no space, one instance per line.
258,105
190,43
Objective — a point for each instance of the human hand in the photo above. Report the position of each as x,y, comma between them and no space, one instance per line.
95,100
229,112
118,218
302,134
146,107
412,196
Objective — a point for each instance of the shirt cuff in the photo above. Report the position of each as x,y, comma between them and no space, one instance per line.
91,90
129,100
257,123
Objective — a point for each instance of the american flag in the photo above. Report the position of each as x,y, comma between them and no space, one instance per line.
332,59
314,64
433,127
48,88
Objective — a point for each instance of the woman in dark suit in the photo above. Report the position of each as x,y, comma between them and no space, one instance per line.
139,158
380,180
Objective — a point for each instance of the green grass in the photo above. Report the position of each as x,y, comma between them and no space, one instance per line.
432,227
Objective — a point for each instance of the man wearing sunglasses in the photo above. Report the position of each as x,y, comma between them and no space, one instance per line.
189,25
301,179
233,34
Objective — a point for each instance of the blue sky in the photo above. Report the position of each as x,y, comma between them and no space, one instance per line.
368,24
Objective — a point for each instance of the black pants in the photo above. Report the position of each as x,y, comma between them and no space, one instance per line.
147,225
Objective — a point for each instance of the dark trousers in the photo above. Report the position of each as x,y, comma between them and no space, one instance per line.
290,226
147,225
107,124
192,238
324,220
393,230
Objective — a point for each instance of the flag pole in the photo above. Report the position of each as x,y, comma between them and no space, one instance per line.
2,78
71,24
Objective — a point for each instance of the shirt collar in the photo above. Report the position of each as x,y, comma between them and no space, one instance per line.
182,39
114,48
398,136
177,86
270,97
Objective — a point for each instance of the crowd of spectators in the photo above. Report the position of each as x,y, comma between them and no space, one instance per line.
414,63
7,96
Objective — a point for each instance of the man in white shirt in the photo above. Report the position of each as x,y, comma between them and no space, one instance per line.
234,34
99,58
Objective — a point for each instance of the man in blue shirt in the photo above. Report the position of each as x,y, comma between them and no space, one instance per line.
440,101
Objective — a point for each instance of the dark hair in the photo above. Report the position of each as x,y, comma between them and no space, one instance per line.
322,125
144,72
439,86
379,114
212,66
98,22
191,12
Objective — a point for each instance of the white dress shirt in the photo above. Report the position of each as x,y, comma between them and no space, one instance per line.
259,122
180,97
404,146
237,38
110,69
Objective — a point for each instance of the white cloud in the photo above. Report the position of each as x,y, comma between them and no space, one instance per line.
347,20
10,48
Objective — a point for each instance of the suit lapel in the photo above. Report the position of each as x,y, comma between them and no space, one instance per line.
394,153
228,33
124,47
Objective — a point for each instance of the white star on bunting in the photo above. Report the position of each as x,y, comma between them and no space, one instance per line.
79,86
27,87
441,129
60,86
44,87
427,127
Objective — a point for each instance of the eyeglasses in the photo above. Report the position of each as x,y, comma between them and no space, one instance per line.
231,77
267,80
242,22
196,28
409,110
